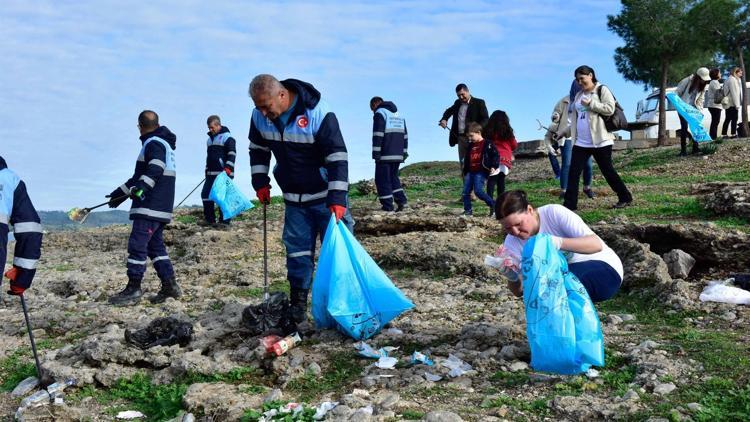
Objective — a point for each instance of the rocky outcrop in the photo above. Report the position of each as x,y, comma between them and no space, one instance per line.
679,263
725,198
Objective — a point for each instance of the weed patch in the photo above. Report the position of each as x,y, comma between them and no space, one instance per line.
15,368
344,368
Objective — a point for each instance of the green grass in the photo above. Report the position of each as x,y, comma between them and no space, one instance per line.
412,415
537,407
510,379
64,267
344,368
186,219
15,368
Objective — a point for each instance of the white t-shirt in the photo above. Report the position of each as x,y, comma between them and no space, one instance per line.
583,130
559,221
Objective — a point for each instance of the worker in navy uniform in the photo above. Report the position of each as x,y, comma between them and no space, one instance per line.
291,122
152,190
390,142
220,155
17,210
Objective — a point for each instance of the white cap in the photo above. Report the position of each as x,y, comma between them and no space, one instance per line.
703,73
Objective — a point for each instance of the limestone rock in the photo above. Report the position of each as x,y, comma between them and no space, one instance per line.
679,263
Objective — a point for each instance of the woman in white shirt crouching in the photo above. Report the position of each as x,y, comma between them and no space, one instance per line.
589,258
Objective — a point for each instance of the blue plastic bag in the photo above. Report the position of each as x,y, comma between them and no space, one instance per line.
229,198
562,326
692,115
350,291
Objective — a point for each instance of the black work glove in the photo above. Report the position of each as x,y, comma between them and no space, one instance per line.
115,201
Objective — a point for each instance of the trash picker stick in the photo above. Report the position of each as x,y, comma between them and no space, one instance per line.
31,337
191,192
265,254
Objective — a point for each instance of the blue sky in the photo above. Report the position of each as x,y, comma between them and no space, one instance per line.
76,74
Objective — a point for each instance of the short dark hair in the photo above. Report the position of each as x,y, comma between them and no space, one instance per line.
714,73
473,127
511,202
461,87
375,101
148,120
213,118
585,70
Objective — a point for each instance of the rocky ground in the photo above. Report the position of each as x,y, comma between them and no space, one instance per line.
668,354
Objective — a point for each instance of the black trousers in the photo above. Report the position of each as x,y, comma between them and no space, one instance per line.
730,121
603,157
715,117
496,180
683,137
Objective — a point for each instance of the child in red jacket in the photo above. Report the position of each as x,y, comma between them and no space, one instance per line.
498,130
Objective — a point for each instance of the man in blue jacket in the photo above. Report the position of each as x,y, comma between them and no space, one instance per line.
152,190
17,210
292,122
390,142
220,156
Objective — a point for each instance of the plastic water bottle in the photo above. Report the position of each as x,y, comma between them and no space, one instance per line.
58,387
25,387
283,345
40,398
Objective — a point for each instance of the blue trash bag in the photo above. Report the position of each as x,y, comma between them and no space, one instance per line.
350,291
562,325
692,115
229,198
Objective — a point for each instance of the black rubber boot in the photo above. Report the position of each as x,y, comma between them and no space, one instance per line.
169,288
130,295
298,304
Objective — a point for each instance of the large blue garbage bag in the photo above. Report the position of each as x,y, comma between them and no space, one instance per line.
692,115
562,325
229,198
350,291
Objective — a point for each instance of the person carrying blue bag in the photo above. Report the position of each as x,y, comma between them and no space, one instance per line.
595,264
220,155
291,122
564,267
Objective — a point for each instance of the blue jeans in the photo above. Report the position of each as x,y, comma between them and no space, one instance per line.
565,155
553,162
475,181
599,278
302,226
147,241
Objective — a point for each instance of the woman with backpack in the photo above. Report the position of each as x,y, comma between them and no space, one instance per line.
500,133
714,97
692,90
591,138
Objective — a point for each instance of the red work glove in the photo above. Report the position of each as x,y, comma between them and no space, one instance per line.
264,194
12,274
338,211
228,171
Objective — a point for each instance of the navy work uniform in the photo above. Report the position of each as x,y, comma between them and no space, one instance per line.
390,142
17,210
220,155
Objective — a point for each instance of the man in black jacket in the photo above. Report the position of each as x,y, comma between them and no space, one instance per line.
465,109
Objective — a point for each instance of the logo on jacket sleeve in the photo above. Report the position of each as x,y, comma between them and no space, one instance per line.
302,122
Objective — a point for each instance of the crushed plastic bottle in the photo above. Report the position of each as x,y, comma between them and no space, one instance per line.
282,346
40,398
58,387
24,387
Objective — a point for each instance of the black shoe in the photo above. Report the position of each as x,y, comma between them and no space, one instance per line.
562,194
169,288
128,296
622,204
589,193
298,304
682,154
400,207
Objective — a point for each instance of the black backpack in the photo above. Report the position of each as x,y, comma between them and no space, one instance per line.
617,121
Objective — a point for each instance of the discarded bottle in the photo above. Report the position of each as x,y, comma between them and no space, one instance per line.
269,341
283,345
25,387
58,387
40,398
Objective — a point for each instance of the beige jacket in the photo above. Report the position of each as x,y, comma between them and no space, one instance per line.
559,119
604,106
695,99
733,91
